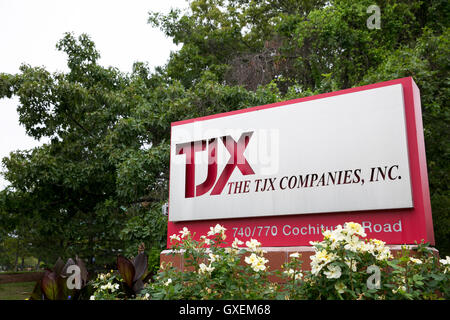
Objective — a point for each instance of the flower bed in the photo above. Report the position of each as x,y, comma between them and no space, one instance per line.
345,265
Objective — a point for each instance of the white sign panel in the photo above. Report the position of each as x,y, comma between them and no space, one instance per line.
341,153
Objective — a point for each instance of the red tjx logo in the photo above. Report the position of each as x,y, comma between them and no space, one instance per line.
237,159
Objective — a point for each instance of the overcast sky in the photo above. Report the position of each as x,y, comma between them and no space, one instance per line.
30,29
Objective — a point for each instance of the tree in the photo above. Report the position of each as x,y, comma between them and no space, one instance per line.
105,170
68,186
309,47
96,188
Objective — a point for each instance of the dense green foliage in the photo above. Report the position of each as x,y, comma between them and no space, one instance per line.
97,186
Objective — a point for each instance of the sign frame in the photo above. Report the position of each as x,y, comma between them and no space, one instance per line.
394,226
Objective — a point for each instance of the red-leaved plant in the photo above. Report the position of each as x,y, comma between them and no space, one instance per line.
53,284
134,273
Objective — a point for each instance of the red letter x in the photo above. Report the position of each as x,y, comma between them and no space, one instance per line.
237,159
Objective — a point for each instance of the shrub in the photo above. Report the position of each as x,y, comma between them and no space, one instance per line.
53,285
107,287
213,271
345,265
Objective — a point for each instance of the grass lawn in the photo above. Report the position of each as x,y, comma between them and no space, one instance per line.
16,290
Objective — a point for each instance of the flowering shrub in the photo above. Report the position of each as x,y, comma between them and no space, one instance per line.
339,267
347,266
418,275
344,265
212,271
107,287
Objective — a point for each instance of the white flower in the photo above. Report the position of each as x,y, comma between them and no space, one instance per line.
146,296
294,255
340,287
213,257
351,264
353,243
110,286
175,237
324,256
236,243
218,229
206,240
354,228
445,262
185,232
316,267
292,274
169,281
205,269
378,249
367,247
289,272
326,234
384,254
334,272
92,298
402,289
260,264
253,244
257,263
211,231
258,267
251,259
320,259
337,235
416,261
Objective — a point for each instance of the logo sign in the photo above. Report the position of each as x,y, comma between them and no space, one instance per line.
283,172
237,160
